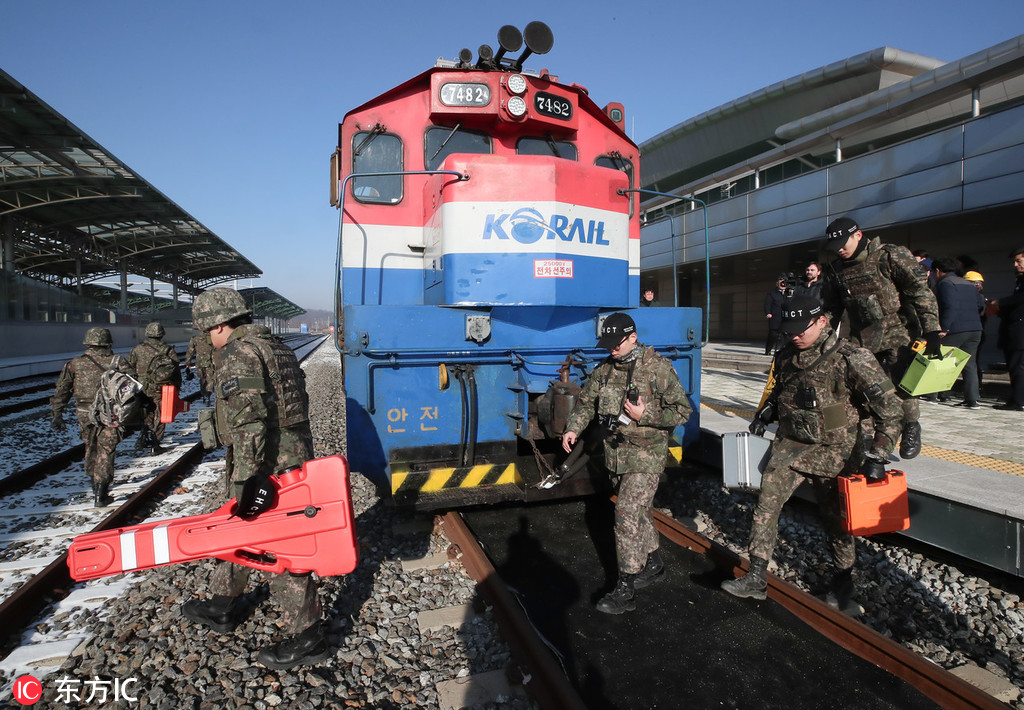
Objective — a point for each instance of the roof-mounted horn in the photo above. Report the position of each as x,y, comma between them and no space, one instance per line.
510,39
539,40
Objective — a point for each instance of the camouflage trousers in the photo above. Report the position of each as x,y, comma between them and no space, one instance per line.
100,446
152,418
635,535
895,363
777,485
295,594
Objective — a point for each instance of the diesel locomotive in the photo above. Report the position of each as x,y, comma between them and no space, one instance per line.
487,227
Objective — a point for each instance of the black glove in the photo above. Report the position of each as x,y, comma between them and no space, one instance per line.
258,495
931,344
188,373
762,418
874,469
57,422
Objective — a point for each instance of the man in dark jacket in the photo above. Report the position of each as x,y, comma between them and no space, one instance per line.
773,312
812,283
1011,334
960,307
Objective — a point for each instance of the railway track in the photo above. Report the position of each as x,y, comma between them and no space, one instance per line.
756,653
31,521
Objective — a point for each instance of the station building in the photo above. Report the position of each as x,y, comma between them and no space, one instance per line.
85,241
920,152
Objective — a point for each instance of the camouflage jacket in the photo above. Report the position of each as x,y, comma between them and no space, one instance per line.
871,288
142,355
80,378
201,349
821,394
642,446
262,405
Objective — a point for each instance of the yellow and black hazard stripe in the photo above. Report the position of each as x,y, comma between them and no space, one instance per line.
449,479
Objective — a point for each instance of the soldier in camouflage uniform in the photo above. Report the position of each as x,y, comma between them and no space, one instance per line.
872,282
263,421
200,349
823,382
80,378
141,358
636,426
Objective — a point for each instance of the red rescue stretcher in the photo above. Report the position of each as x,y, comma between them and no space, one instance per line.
310,528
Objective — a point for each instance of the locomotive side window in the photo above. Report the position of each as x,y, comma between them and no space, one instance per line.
546,146
617,162
377,152
441,141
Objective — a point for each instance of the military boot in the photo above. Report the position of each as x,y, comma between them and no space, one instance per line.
307,648
142,442
841,594
651,571
102,498
910,442
219,613
622,598
753,584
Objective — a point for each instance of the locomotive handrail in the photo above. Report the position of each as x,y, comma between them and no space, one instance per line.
341,228
707,258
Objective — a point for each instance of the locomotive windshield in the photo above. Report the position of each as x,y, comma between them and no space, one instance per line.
440,142
376,152
546,146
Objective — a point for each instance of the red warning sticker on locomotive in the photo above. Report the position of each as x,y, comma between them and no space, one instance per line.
552,268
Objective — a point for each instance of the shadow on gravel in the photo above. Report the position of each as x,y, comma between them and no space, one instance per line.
889,579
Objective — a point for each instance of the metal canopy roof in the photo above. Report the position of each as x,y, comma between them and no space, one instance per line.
265,303
77,213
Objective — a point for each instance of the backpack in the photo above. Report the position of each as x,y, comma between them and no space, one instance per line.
162,369
118,400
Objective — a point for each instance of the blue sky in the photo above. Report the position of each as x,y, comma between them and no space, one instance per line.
230,107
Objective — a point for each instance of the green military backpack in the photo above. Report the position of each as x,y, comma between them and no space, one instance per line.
162,369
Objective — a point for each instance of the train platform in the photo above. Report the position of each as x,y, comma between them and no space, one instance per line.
967,485
13,368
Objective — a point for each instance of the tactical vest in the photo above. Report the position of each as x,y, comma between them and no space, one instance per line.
814,403
289,405
871,299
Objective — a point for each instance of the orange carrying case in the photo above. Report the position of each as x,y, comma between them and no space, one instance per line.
872,508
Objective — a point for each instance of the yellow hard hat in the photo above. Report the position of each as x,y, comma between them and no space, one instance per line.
974,276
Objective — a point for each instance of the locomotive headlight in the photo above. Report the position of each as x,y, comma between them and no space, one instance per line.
516,83
516,106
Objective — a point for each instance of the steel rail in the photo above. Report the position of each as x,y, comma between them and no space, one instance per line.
36,593
6,409
547,684
931,680
17,609
28,389
20,480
